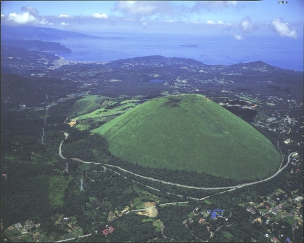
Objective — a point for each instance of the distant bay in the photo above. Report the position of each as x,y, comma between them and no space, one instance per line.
282,52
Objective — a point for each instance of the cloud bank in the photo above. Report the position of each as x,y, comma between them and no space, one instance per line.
100,16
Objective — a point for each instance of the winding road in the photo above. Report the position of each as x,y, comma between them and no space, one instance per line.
176,184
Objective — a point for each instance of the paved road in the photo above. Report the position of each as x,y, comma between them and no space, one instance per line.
180,185
74,238
60,152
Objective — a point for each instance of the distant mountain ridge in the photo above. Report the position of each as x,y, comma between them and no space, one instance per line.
37,45
42,33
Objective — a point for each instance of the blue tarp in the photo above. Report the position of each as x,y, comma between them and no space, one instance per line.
215,211
218,210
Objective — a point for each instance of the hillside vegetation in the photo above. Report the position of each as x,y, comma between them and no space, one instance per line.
191,133
85,105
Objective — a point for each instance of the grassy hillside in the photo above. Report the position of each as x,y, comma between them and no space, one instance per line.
191,133
86,105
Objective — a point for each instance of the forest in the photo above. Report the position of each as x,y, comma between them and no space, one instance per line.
38,187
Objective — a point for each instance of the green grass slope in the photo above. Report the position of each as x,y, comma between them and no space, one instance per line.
85,105
191,133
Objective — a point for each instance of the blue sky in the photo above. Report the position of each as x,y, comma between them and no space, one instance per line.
236,18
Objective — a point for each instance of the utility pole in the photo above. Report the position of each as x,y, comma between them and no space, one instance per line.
44,120
42,140
67,167
43,132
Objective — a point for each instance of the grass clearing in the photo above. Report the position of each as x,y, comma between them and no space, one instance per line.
158,224
93,110
86,105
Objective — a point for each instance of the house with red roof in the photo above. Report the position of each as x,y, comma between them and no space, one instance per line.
201,221
108,230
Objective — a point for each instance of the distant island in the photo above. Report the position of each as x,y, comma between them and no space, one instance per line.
190,46
41,33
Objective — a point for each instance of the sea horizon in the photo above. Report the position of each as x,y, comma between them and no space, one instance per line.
210,50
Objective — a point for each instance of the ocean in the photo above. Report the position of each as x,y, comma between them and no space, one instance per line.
282,52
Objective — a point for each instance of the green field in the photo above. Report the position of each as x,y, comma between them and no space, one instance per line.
102,112
92,110
250,99
191,133
86,105
270,104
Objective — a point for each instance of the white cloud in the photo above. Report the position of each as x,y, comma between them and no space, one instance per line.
144,8
30,15
2,15
282,28
135,7
31,10
43,21
24,18
211,5
220,22
232,3
246,25
51,23
144,24
63,23
64,16
210,22
101,16
238,37
129,19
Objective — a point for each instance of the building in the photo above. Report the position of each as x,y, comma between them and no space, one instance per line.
251,210
216,213
108,230
271,119
274,239
201,221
